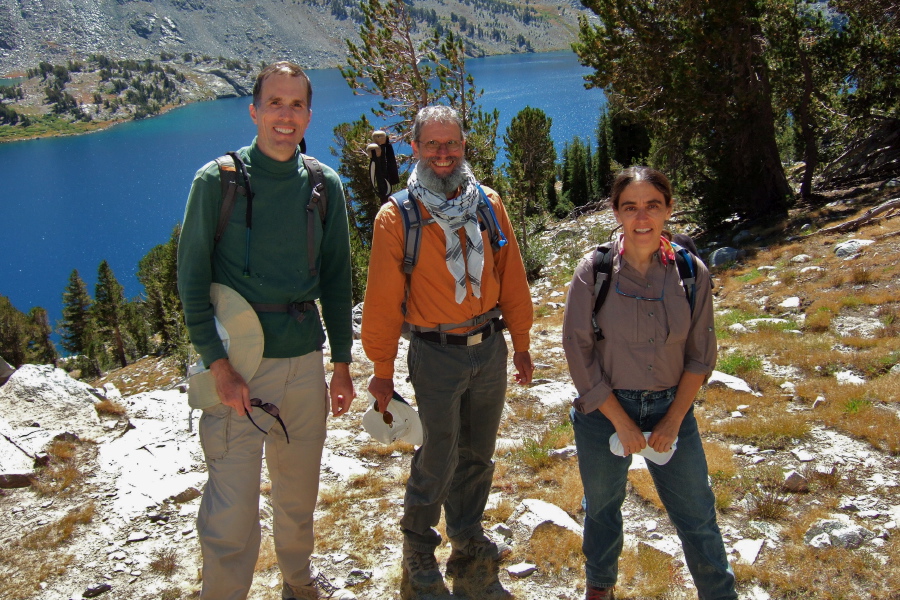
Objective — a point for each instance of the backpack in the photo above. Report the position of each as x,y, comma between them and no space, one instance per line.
413,224
229,166
602,263
231,163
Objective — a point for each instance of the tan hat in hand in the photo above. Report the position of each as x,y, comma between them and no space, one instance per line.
241,334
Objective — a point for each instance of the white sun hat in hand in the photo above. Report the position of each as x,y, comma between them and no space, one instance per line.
399,422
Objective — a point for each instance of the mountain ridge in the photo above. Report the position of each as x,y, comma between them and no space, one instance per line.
310,32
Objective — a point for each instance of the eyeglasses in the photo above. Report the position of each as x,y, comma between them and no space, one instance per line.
386,416
621,293
271,409
434,145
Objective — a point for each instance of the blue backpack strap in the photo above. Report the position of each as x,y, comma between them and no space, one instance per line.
488,220
602,264
687,271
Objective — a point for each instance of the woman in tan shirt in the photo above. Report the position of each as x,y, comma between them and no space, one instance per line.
637,385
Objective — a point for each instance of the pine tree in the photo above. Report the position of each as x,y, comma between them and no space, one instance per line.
109,310
696,74
532,158
603,162
409,76
579,190
13,333
41,349
77,324
158,273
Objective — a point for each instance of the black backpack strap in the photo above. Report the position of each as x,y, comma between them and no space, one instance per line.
412,227
318,201
602,263
229,165
687,271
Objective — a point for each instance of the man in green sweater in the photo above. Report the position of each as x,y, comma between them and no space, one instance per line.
265,259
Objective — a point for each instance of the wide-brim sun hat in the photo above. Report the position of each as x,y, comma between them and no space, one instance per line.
241,334
404,425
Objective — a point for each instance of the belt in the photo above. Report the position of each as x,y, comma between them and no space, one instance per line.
471,338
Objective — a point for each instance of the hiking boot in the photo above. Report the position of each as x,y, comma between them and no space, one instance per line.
477,546
421,576
317,589
599,593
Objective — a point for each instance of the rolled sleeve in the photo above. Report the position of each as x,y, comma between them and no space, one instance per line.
592,384
700,349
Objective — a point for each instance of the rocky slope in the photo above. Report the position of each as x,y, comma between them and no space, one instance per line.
119,523
310,32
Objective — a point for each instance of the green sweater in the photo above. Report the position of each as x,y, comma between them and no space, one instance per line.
279,264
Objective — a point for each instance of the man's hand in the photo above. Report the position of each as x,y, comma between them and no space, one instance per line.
342,391
230,386
630,434
524,367
382,390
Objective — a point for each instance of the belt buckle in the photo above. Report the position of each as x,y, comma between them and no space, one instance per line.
474,339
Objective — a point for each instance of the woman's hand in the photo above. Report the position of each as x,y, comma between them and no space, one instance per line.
665,433
629,433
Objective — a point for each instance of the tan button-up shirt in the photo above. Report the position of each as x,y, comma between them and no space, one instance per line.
648,344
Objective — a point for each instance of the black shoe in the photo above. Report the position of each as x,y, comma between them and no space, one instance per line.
421,578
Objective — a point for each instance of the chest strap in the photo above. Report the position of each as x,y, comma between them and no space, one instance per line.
297,310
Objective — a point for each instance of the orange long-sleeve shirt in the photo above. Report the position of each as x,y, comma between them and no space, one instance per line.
431,299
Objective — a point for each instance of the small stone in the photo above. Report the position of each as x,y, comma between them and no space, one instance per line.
737,414
357,576
820,541
818,401
95,590
748,550
792,302
801,258
502,529
521,570
795,482
803,455
186,496
138,536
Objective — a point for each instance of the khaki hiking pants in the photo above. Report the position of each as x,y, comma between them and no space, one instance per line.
228,520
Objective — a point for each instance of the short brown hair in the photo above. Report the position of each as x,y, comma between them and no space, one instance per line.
636,174
282,67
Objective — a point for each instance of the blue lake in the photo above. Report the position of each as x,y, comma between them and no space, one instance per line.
71,202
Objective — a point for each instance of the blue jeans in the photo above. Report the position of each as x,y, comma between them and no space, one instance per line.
682,485
460,392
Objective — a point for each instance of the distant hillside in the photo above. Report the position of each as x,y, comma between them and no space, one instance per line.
311,32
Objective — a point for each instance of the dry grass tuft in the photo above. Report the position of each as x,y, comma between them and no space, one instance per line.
554,550
379,450
766,428
164,561
39,555
501,512
560,484
65,468
645,572
108,407
643,485
266,559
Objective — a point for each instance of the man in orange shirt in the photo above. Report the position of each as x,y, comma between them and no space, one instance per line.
457,354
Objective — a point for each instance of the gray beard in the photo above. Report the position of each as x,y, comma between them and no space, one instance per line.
445,186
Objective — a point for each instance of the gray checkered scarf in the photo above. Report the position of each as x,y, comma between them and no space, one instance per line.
451,215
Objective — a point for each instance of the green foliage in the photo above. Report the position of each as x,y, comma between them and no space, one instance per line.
77,324
532,158
14,333
737,364
409,76
694,74
157,272
109,311
41,349
576,187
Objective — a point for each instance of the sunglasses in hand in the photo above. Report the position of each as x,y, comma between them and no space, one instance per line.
270,409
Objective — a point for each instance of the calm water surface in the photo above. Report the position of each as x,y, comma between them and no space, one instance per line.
69,203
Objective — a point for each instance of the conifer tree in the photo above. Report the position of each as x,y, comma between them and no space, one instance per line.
41,349
157,272
13,333
532,158
696,74
409,76
109,310
579,170
604,157
77,325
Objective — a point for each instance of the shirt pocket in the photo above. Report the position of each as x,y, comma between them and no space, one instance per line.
678,315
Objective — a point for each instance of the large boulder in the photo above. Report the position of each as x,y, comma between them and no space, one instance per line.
42,396
6,371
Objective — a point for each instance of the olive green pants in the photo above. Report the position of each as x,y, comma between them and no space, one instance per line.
228,520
